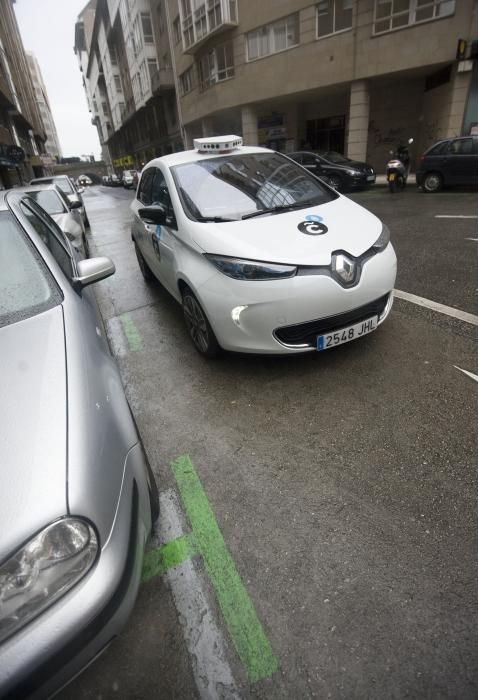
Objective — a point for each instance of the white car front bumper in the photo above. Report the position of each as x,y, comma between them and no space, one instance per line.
256,316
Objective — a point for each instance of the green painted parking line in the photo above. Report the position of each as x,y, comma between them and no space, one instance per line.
171,554
131,332
241,619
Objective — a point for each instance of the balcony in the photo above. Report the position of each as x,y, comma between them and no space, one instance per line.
162,81
208,19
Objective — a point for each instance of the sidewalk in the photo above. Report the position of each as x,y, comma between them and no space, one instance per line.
382,179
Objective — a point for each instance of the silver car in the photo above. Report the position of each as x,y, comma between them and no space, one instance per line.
66,214
77,499
67,186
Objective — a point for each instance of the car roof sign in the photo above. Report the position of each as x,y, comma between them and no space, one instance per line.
217,144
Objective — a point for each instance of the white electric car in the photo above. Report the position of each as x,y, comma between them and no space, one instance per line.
261,254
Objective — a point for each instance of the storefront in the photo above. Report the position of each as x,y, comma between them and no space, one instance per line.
11,161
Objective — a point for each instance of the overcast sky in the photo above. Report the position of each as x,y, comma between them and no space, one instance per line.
48,29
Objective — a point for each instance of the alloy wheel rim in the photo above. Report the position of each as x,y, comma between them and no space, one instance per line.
196,323
433,182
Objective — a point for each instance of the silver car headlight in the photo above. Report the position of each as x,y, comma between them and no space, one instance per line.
249,270
383,240
352,172
44,569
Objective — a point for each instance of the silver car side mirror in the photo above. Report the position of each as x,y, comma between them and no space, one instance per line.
93,270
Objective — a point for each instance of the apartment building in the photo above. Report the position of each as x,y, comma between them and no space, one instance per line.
52,143
22,135
130,95
355,76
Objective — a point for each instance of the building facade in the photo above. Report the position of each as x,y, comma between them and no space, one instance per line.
52,143
121,46
22,136
354,76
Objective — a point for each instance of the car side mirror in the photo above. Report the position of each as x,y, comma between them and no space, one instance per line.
76,204
155,214
93,270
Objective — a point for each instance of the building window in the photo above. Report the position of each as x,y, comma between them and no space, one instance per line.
118,86
113,55
186,81
152,68
395,14
216,65
95,106
201,17
104,107
273,38
136,37
144,78
333,16
147,28
177,30
122,110
160,18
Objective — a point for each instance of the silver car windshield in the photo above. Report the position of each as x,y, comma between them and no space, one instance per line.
49,201
239,185
26,288
62,182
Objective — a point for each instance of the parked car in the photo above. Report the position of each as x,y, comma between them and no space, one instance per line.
65,213
262,256
449,162
84,181
105,179
78,498
67,186
340,172
130,179
114,180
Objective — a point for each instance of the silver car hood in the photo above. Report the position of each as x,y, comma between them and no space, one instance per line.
32,427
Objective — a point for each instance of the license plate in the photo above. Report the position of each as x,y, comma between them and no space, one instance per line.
345,335
371,178
391,177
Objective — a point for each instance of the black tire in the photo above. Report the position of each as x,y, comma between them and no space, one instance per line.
198,326
432,182
148,276
335,181
86,246
153,494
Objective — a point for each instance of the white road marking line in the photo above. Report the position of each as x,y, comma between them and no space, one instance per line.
456,216
471,239
205,643
469,374
435,306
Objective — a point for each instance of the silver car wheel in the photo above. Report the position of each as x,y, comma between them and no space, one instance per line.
196,323
432,182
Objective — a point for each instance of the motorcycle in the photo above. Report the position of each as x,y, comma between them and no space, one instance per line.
398,168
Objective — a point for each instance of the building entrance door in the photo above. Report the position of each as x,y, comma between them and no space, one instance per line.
327,134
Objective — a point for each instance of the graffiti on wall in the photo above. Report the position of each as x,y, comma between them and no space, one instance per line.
380,136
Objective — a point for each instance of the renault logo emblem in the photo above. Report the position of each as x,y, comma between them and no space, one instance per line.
344,267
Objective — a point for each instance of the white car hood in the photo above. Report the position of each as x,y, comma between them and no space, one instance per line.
276,238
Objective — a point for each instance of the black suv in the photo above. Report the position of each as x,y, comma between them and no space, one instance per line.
340,172
450,162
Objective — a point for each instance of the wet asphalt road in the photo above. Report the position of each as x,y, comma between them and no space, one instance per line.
344,484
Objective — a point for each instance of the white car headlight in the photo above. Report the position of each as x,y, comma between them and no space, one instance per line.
352,172
249,270
44,569
383,240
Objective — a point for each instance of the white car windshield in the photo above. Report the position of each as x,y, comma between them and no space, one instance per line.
242,185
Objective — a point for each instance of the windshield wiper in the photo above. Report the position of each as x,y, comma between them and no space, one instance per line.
281,207
214,219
